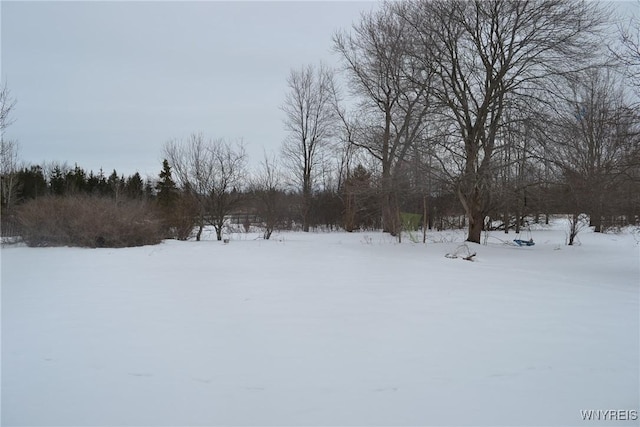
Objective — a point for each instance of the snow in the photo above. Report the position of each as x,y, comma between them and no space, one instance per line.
322,329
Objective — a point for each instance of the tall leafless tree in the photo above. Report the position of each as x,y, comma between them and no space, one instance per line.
193,165
597,144
494,55
8,172
392,84
628,53
310,121
267,187
229,181
8,150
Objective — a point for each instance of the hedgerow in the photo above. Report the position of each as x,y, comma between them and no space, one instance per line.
89,221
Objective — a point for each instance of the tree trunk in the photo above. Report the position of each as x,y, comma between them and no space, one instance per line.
267,232
390,214
573,229
349,211
473,208
506,219
595,219
306,204
425,214
389,203
475,226
472,204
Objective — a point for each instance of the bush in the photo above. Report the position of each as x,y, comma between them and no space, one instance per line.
179,219
87,221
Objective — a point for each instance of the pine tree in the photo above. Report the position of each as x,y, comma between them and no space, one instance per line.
92,183
116,185
57,181
31,183
103,185
167,190
149,189
76,180
134,187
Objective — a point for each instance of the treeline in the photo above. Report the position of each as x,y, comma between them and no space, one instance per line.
474,114
31,182
261,198
258,199
69,206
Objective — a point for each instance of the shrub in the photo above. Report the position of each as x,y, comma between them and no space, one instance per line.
178,219
87,221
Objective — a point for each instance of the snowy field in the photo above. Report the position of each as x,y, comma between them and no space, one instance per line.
322,329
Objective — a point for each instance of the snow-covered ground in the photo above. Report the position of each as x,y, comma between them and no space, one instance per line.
322,329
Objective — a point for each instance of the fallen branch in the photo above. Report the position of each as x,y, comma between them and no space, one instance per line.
463,252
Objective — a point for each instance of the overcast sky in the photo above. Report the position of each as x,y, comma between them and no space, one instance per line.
107,84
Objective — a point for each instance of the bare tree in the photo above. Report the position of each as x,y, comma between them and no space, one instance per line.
267,187
393,85
493,55
576,223
628,53
514,169
597,144
7,103
213,172
8,172
8,151
192,164
230,176
310,120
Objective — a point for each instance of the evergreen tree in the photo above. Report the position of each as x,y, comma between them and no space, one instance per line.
149,189
134,186
166,187
31,183
103,185
93,182
116,185
57,181
76,180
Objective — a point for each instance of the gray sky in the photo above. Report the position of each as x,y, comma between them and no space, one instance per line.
107,84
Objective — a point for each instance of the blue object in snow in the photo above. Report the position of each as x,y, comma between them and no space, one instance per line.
520,242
